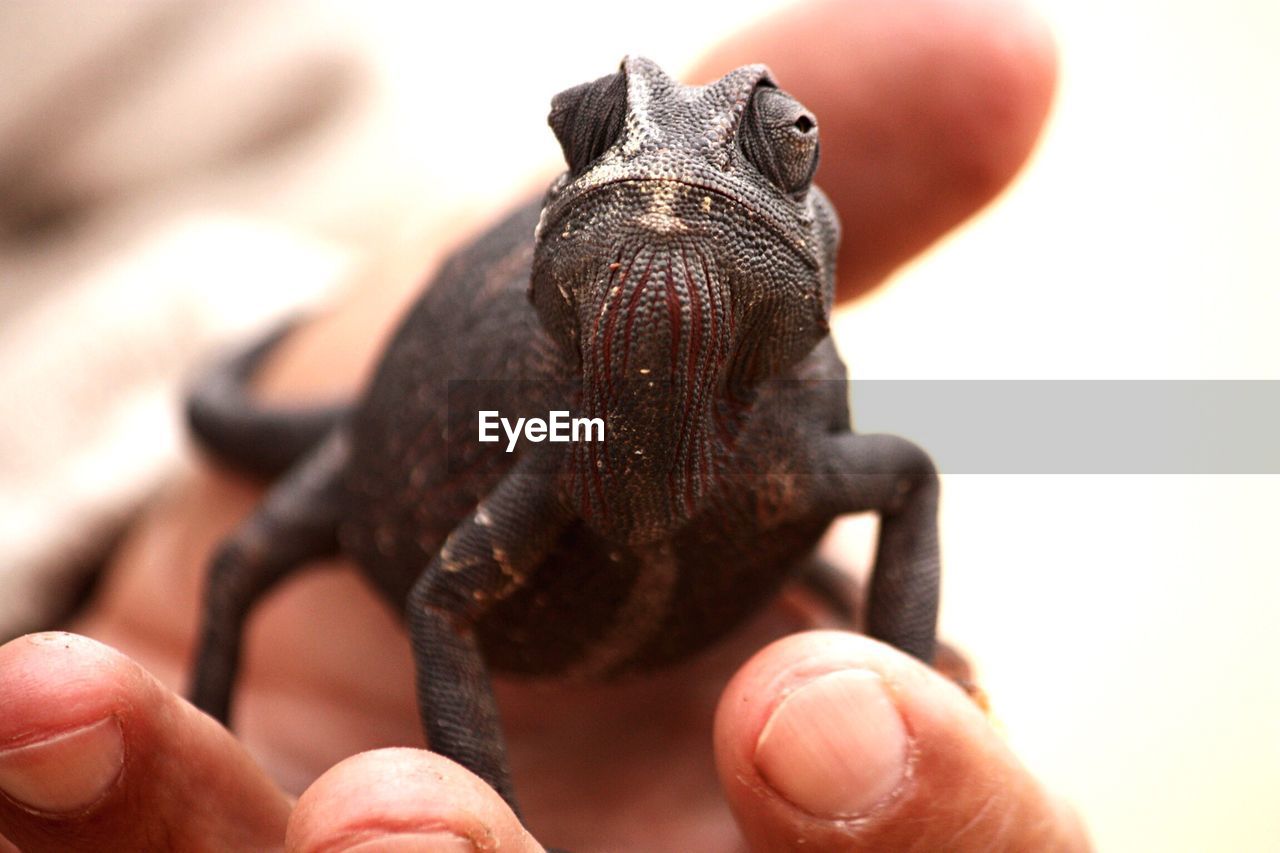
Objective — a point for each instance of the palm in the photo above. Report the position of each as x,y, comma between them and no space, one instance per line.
328,674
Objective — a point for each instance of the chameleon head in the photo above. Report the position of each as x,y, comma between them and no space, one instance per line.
682,259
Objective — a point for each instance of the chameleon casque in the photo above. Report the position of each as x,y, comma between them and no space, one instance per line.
676,281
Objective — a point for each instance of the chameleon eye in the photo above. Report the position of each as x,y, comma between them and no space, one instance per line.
780,138
588,119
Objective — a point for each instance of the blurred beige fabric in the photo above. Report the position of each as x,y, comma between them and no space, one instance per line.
172,175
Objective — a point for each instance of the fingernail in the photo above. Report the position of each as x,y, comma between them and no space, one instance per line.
433,842
836,747
67,772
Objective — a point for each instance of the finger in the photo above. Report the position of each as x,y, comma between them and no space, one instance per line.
403,799
927,109
828,740
96,755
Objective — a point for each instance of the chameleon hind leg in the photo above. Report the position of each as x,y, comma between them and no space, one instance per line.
896,479
295,524
832,587
840,594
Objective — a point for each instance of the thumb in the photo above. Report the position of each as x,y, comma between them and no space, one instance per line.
828,740
403,799
95,754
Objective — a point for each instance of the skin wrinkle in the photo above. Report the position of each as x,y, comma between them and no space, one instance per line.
631,318
727,437
604,386
1005,814
700,460
992,800
377,828
713,284
593,476
674,311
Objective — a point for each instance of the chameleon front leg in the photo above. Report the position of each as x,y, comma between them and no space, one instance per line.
487,557
895,478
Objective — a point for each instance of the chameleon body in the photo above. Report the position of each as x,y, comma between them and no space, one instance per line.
676,282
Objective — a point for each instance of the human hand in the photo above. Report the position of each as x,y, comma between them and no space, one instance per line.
927,110
824,740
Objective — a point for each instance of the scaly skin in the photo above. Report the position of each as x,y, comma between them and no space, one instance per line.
676,281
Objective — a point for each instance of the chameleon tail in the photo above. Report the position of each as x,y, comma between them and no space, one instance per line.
262,441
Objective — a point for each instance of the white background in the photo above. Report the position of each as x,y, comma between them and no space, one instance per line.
1124,625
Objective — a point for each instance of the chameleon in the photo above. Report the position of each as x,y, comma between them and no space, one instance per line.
676,283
